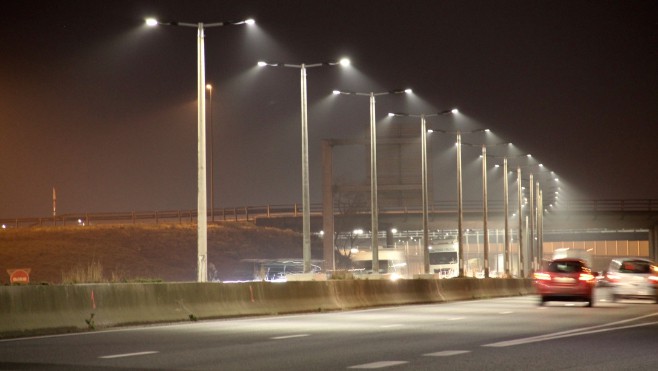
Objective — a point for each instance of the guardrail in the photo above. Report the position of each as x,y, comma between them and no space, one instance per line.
249,213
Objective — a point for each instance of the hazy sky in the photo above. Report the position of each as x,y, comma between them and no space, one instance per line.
104,109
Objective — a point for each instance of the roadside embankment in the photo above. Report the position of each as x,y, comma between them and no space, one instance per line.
31,310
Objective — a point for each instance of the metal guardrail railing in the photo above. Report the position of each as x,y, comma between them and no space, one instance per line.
250,213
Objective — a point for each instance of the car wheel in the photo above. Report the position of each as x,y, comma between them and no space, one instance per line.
542,301
590,302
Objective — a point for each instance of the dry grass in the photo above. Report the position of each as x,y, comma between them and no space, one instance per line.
141,252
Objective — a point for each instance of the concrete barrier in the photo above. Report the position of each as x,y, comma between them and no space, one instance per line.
30,310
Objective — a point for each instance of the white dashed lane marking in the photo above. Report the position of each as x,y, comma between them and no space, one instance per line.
447,353
128,355
289,336
381,364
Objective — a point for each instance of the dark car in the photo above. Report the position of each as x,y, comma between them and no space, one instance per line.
566,280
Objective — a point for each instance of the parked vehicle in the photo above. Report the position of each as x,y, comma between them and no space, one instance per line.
633,278
566,279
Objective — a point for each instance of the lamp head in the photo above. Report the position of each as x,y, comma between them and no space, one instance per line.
250,22
151,22
344,62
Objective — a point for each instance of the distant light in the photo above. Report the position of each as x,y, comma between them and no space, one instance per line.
354,250
394,277
541,165
454,110
262,64
496,165
4,226
430,131
151,22
557,180
250,21
394,230
391,114
408,91
358,231
344,62
487,130
529,155
336,92
209,86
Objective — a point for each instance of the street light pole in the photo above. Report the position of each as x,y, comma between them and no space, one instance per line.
306,212
202,207
460,210
423,138
212,164
374,208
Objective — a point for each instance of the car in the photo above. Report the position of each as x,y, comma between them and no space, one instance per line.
568,279
633,278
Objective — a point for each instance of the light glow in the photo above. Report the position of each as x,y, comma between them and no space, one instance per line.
250,21
345,62
262,64
151,22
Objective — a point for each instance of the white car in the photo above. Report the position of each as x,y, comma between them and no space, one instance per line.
633,278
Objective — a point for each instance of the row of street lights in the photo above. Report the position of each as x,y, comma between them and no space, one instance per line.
202,259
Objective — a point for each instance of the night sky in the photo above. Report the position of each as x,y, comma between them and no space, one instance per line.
102,108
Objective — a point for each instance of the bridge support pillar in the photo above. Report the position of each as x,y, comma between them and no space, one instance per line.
653,242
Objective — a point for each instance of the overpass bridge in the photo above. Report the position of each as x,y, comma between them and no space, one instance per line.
607,228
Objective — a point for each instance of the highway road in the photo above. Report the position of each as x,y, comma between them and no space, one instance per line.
497,334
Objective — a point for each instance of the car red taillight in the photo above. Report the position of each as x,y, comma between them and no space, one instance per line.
653,279
612,277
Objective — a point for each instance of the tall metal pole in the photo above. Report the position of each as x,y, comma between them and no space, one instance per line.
485,209
426,250
540,224
460,219
202,211
212,162
374,210
506,201
520,236
531,192
306,214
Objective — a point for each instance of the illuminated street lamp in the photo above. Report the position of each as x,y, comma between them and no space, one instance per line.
202,207
306,213
460,212
423,154
374,210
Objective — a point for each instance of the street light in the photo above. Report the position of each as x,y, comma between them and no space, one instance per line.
212,163
374,210
202,211
485,203
460,212
306,214
423,154
506,255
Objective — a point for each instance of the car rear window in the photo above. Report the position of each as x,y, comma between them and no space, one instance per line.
565,266
635,266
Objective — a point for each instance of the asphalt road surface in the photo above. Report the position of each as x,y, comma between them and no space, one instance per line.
498,334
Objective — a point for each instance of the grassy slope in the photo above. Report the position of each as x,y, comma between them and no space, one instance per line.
166,252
